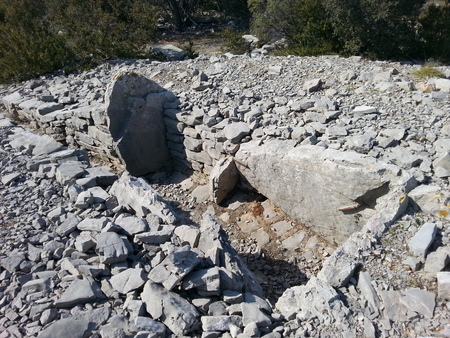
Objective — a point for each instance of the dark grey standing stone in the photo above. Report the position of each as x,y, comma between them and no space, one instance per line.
134,106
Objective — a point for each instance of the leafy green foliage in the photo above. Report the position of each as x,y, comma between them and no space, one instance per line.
434,30
190,51
40,36
233,41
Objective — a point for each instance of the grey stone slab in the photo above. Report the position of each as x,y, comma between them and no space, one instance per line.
437,261
236,131
80,291
222,179
93,224
134,109
67,172
251,313
102,176
175,312
128,280
220,323
132,225
68,225
156,237
137,194
174,267
112,248
422,240
205,281
443,280
420,301
78,326
8,178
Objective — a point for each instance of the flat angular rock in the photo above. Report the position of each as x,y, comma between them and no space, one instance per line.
134,109
368,291
8,178
312,85
431,199
420,301
154,328
137,194
220,323
175,312
437,261
67,172
156,236
236,131
252,314
317,297
93,224
365,110
223,179
49,107
112,248
205,281
78,326
79,291
174,267
394,309
132,225
128,280
443,84
171,52
188,234
12,263
70,224
102,176
443,280
272,167
422,240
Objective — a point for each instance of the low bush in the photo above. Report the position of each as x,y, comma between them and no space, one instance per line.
427,72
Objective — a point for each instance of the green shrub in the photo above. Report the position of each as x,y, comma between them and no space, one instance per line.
190,50
28,46
303,24
434,31
233,42
427,72
41,36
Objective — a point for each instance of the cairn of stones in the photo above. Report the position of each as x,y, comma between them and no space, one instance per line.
356,151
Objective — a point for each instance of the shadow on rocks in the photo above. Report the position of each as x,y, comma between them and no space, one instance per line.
274,275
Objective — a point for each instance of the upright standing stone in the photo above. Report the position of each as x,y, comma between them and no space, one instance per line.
134,106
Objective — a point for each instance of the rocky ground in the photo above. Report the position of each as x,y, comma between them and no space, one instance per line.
378,109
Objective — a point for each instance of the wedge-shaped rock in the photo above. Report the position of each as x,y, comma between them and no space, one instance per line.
317,297
138,195
112,248
174,267
80,291
78,326
333,192
223,179
420,301
205,281
180,316
132,225
127,280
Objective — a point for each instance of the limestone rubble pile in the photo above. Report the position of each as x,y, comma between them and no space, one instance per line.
357,151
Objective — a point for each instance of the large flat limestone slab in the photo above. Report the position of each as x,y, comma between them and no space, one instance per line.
333,192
